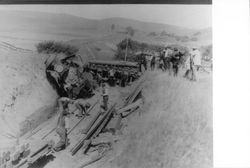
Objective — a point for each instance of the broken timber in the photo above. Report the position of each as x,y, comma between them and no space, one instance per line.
82,117
95,131
74,125
86,130
131,106
136,91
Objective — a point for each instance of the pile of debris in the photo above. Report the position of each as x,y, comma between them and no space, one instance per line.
69,77
94,139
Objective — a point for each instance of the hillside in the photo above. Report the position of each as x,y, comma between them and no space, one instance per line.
25,29
24,90
173,129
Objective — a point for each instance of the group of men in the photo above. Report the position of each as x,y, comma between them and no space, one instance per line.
168,60
172,59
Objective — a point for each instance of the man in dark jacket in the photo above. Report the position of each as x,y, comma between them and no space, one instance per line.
62,123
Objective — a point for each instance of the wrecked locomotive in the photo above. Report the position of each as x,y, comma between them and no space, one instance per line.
73,78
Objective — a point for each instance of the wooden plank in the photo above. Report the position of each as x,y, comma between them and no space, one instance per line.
136,90
86,130
82,117
49,133
93,160
73,126
130,106
92,132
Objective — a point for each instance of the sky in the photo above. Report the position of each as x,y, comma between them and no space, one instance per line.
190,16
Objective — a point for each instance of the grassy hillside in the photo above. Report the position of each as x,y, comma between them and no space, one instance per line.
174,128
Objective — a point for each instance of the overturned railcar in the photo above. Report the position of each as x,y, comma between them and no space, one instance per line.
67,76
115,72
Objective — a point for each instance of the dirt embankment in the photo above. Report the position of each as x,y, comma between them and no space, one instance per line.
174,128
25,92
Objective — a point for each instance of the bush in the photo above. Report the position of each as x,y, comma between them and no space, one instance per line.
197,34
130,30
56,47
133,47
164,33
194,39
152,34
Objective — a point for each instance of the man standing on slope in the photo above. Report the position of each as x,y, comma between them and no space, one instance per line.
195,63
105,97
62,123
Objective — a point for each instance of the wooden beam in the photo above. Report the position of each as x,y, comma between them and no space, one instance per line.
82,117
130,106
96,130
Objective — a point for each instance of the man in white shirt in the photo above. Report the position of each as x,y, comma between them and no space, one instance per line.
196,58
167,60
195,63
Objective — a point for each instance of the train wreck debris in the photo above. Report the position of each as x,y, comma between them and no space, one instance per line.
77,80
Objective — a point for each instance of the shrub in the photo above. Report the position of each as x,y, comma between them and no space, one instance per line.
152,34
164,33
133,47
194,39
197,34
56,47
130,30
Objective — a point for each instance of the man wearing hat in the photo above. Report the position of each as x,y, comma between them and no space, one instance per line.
196,62
82,106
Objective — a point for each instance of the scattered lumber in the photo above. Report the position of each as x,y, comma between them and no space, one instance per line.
95,131
103,148
88,111
86,130
92,160
137,103
49,133
136,90
74,125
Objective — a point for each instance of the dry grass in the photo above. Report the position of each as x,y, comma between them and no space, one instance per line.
175,129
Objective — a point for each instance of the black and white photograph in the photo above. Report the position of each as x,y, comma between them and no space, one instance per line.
106,86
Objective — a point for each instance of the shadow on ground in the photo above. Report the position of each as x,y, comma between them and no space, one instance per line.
42,162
